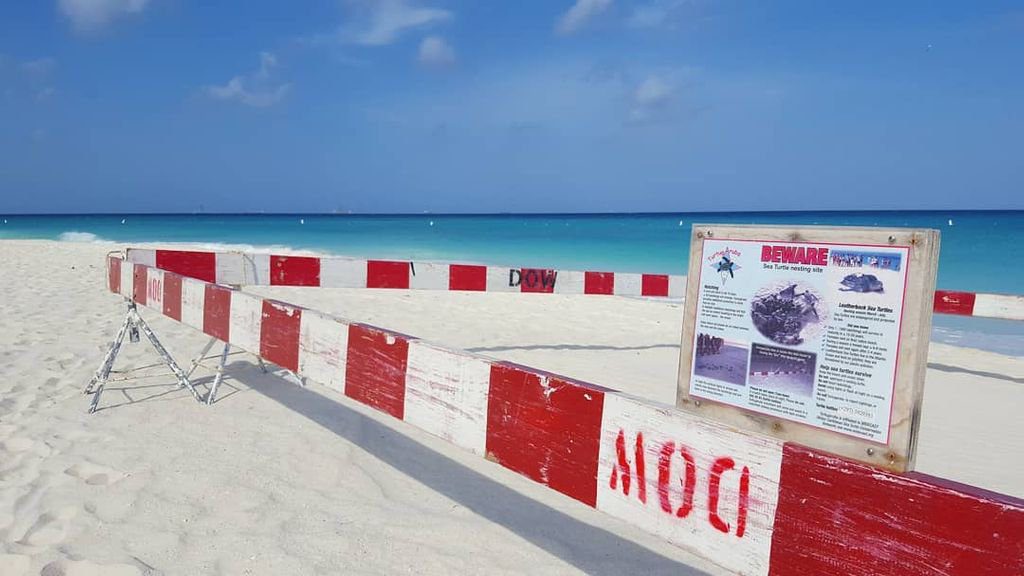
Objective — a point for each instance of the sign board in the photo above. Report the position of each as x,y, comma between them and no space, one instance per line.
817,335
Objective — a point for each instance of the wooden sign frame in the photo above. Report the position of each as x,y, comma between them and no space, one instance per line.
912,351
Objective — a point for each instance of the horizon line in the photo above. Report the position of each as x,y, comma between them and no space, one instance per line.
541,214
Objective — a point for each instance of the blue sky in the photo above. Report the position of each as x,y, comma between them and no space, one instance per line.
472,106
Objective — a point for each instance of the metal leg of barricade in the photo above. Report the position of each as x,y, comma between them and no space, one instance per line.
212,394
131,326
178,372
202,356
103,372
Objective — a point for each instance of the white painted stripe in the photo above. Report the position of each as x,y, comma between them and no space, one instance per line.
141,256
323,349
498,279
705,442
155,289
342,273
193,296
256,269
627,284
428,276
570,282
246,319
229,269
127,279
446,395
677,286
999,306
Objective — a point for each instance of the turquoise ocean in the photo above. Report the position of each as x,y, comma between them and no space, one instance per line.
977,254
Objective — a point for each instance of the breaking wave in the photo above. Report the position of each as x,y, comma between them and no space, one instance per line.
75,236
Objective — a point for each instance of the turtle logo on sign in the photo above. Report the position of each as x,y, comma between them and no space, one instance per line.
723,262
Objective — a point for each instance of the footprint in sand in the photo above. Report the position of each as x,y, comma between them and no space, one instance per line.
18,470
16,444
14,564
87,568
94,474
50,528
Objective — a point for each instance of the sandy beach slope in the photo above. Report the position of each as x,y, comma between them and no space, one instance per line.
278,479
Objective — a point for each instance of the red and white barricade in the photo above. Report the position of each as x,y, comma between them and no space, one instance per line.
258,269
750,503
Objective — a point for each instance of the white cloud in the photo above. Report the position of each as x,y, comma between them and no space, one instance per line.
45,93
91,15
581,13
435,51
257,89
650,96
654,15
37,76
381,22
39,68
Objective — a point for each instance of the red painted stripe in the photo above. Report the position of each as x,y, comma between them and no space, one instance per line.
961,303
835,516
172,296
599,283
294,271
467,277
139,283
385,274
114,274
375,368
198,265
279,334
546,428
217,312
654,285
540,280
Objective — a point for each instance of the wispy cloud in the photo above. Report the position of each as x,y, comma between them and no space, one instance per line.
33,77
582,12
656,14
382,22
45,93
649,97
258,89
435,51
93,15
39,68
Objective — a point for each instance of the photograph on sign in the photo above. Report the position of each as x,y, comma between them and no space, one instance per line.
804,331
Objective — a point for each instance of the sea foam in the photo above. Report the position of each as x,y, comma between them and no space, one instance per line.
76,236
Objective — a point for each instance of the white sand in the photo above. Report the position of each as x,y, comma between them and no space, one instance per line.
276,479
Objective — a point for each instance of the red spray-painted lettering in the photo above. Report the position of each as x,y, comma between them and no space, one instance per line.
154,290
665,473
621,469
623,463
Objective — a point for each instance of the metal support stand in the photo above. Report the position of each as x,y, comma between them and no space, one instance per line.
202,356
132,323
212,394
